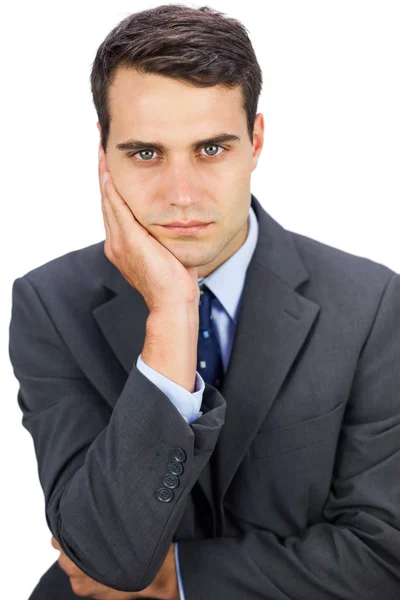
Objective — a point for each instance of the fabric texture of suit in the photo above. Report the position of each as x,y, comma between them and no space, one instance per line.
291,485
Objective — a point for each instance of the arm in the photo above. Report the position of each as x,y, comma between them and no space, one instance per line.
168,583
355,552
100,469
164,587
188,404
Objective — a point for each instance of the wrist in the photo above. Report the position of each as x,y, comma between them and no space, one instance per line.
170,346
185,314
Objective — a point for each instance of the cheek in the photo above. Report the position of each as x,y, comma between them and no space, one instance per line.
236,194
235,177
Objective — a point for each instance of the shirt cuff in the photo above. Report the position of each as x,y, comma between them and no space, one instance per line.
187,403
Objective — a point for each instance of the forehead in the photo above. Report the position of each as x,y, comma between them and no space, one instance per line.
153,102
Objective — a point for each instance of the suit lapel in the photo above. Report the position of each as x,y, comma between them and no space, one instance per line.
272,326
122,319
273,323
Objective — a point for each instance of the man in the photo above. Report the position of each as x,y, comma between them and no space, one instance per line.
215,409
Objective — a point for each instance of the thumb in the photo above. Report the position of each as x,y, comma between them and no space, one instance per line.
193,272
193,275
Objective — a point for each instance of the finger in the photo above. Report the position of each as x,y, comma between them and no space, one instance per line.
55,544
106,225
123,226
114,228
119,214
102,162
120,211
103,168
110,225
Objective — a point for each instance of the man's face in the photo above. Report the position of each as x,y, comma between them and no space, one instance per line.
180,182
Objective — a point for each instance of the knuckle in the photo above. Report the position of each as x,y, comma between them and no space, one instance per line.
131,239
116,249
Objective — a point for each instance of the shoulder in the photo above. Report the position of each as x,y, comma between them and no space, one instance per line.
331,267
348,288
70,275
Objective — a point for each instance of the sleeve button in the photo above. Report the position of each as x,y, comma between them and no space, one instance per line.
175,468
179,454
165,495
171,481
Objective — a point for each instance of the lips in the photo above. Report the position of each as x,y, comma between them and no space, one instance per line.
185,224
187,229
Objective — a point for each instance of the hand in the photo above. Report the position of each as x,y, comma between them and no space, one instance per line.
163,587
146,264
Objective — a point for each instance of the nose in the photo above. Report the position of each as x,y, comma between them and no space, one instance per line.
182,183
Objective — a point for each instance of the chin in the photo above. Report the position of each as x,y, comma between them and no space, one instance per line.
191,258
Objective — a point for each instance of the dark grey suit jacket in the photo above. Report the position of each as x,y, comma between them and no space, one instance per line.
291,484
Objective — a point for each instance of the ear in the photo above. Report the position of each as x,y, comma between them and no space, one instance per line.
258,139
98,126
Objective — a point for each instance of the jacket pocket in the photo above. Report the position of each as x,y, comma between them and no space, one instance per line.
298,435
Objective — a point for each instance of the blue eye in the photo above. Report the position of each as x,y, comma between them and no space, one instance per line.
149,150
213,146
143,152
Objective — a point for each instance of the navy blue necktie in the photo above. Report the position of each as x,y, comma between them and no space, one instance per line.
209,359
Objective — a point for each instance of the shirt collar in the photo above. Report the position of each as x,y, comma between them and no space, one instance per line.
227,281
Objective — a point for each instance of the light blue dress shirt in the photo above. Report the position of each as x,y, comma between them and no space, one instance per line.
226,282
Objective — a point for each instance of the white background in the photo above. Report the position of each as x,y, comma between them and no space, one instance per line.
329,168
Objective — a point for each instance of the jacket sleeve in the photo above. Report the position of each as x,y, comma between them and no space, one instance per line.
100,468
188,405
355,551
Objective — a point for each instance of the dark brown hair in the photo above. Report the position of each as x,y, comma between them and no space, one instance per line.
197,45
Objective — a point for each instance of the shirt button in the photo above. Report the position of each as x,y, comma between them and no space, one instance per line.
175,468
171,481
178,454
165,495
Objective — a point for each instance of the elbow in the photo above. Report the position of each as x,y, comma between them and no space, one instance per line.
119,570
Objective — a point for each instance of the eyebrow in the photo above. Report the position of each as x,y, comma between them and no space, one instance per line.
139,145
